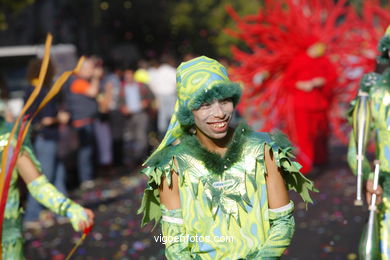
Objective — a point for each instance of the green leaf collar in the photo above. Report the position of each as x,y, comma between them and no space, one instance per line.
213,161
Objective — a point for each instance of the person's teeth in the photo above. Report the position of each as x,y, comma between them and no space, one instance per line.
219,125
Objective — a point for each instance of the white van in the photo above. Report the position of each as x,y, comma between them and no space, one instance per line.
13,67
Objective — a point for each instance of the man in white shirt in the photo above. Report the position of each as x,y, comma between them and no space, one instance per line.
163,85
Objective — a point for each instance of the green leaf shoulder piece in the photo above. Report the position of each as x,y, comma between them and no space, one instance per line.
284,158
160,166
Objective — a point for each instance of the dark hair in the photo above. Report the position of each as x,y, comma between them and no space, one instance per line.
4,92
33,69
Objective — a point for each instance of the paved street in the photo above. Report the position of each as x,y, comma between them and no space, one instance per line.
329,229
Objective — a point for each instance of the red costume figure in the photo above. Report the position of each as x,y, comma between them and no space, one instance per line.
305,60
310,79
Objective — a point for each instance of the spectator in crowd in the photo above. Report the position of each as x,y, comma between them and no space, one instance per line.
112,86
163,86
83,108
137,102
102,126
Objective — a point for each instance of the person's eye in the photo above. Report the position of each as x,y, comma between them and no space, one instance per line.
225,101
205,105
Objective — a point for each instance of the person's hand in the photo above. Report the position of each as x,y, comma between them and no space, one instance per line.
98,72
84,224
124,110
80,217
304,86
47,121
318,82
145,104
370,191
63,117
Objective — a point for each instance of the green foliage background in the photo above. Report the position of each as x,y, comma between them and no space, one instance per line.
9,8
199,25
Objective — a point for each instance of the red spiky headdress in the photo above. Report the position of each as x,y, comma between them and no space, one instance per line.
283,30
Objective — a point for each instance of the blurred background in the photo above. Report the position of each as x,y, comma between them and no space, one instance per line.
121,30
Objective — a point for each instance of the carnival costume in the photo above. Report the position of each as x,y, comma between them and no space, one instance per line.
279,37
41,190
377,87
224,207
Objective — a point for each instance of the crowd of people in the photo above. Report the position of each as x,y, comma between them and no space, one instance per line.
106,117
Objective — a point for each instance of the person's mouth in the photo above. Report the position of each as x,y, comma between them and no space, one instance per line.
221,125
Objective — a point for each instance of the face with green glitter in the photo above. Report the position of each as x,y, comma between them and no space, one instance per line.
212,119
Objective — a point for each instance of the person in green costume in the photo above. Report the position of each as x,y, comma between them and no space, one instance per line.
28,168
377,87
220,192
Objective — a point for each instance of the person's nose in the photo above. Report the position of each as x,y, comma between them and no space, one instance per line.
218,110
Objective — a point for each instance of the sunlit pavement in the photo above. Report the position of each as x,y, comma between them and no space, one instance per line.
328,229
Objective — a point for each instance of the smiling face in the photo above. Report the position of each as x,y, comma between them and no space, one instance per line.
212,119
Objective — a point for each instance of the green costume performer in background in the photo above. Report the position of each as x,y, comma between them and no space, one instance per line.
40,189
224,211
377,117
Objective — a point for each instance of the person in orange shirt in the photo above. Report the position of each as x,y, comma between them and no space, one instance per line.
83,107
88,79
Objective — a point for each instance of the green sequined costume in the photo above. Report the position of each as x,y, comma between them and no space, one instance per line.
378,88
229,202
41,190
224,207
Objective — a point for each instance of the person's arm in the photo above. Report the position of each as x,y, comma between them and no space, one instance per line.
106,97
318,82
308,85
172,220
93,89
280,211
169,195
48,121
44,192
94,86
48,115
276,188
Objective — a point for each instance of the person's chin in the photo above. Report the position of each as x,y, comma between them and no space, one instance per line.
218,135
